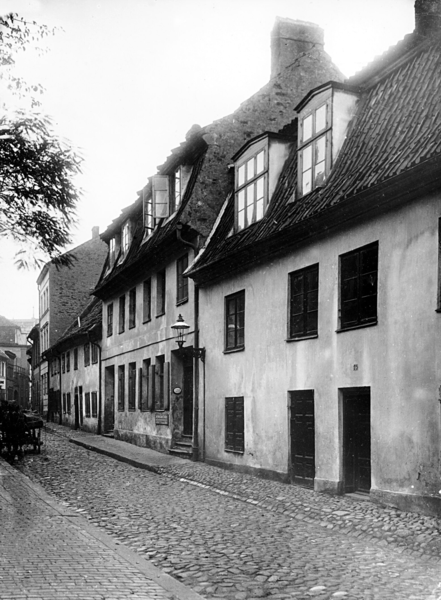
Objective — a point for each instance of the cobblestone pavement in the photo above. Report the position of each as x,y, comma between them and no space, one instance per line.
47,553
283,543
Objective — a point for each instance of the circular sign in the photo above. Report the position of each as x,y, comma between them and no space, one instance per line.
177,390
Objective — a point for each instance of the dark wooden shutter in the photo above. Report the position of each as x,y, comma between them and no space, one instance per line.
151,388
166,386
141,384
234,424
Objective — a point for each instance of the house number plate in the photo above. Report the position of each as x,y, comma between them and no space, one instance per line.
161,418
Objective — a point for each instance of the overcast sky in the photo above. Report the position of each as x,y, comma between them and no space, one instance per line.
126,79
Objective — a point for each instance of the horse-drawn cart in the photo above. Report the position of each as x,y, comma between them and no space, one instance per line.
18,430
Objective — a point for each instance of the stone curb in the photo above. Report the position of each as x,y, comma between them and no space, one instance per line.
178,589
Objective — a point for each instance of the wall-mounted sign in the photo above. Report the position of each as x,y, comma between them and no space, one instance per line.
177,390
161,418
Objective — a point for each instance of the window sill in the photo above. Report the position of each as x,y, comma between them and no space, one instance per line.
233,350
120,332
362,326
438,310
160,314
301,338
235,451
183,301
132,326
147,320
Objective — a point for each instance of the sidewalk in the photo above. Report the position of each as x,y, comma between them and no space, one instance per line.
417,533
48,552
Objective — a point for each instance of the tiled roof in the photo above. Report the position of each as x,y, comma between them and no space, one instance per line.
89,321
397,128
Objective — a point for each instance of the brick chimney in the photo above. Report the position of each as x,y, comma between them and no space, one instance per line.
95,232
427,17
290,39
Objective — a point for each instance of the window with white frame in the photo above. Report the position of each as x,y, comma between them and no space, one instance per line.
251,189
125,237
313,149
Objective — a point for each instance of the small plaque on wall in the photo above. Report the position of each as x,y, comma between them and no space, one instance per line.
161,418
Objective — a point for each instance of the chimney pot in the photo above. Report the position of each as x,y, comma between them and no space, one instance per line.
427,17
95,232
290,39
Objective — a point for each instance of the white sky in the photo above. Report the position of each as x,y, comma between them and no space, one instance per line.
126,80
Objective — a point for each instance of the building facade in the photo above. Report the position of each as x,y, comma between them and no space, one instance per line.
151,388
16,383
64,291
321,319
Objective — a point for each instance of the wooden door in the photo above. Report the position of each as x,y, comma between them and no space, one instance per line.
188,398
302,429
109,404
357,440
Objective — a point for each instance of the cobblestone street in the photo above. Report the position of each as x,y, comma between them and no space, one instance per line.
283,542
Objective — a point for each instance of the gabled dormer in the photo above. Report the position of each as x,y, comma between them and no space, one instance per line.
257,167
323,117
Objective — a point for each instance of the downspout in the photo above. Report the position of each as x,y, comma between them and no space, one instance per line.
60,413
195,440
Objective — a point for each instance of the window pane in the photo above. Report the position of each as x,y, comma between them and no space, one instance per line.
250,169
241,220
319,174
349,265
312,301
297,284
368,308
320,118
259,188
368,284
250,194
307,128
350,312
307,158
250,211
260,162
241,175
368,260
320,146
241,200
297,304
306,181
259,210
311,322
350,289
296,325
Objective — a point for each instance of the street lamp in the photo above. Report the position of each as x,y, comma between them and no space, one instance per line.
181,328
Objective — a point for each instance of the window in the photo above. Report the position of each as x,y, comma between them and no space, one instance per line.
149,221
64,404
110,319
146,386
234,425
68,403
125,237
132,308
75,359
358,287
112,251
235,321
303,302
181,281
67,362
160,293
86,355
161,384
121,384
177,191
94,404
122,314
251,192
63,363
161,196
132,386
94,354
87,404
313,153
147,300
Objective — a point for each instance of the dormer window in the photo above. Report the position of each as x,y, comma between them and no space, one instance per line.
168,191
125,237
254,180
324,117
315,142
112,251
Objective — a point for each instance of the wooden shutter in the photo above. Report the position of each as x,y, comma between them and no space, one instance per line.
234,424
229,423
166,386
151,388
140,388
161,196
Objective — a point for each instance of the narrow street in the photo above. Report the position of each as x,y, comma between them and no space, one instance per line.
222,547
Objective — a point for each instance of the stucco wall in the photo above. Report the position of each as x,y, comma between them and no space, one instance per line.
398,358
144,341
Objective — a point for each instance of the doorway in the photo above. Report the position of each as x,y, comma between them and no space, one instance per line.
302,430
109,404
357,440
187,416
